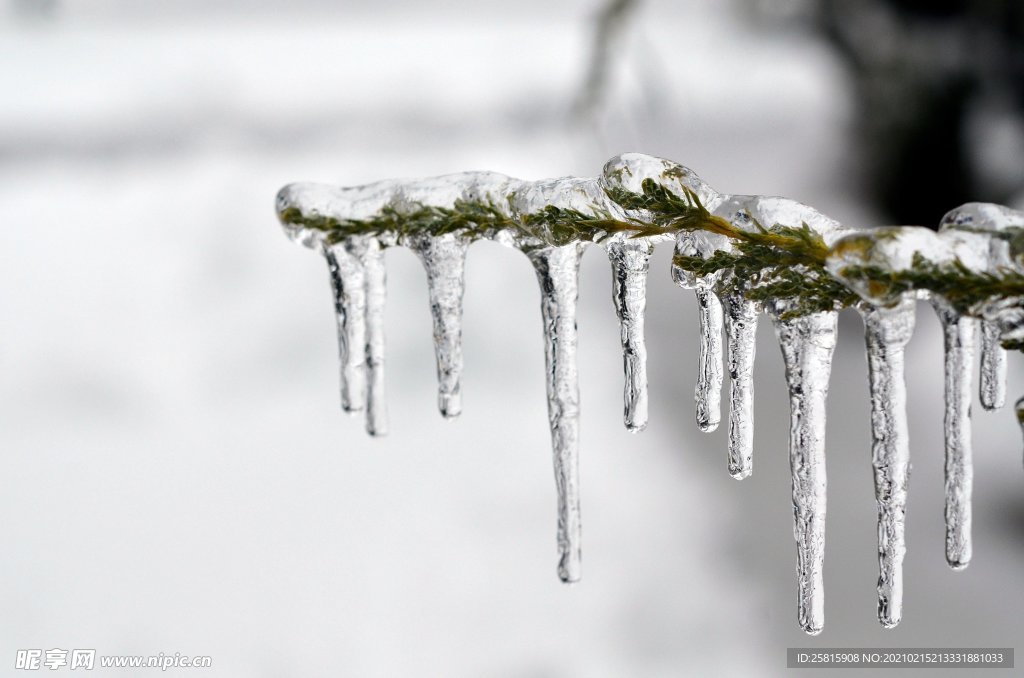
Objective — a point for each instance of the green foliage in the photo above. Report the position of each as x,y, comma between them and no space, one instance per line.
553,226
780,263
966,290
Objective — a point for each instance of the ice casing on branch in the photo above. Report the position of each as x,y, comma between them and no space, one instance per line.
439,217
1004,226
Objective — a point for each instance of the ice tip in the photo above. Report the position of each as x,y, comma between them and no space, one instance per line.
958,565
376,430
740,474
449,404
636,426
569,573
569,564
707,426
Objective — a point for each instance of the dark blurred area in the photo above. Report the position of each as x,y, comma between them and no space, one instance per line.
938,96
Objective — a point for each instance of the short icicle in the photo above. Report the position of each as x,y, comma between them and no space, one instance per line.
444,258
630,261
348,283
807,345
376,295
558,274
709,362
886,332
958,332
993,367
741,330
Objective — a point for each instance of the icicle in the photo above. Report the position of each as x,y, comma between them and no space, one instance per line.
709,363
349,287
444,257
558,274
999,249
708,393
993,367
959,361
630,260
741,329
376,295
886,332
807,344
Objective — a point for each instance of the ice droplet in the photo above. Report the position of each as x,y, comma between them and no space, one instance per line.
708,393
630,261
348,283
886,332
557,271
958,334
444,258
741,330
807,345
993,367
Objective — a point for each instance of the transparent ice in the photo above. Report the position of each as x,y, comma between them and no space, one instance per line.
807,344
444,258
558,274
708,393
886,333
1004,225
979,236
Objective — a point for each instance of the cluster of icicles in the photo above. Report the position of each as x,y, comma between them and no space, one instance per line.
357,276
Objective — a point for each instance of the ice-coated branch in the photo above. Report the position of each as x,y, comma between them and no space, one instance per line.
741,255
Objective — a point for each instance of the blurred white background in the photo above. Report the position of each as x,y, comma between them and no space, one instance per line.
175,473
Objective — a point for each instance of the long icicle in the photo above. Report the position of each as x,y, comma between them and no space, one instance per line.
886,332
376,295
557,271
958,334
349,289
807,345
630,261
741,330
444,258
993,367
708,393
